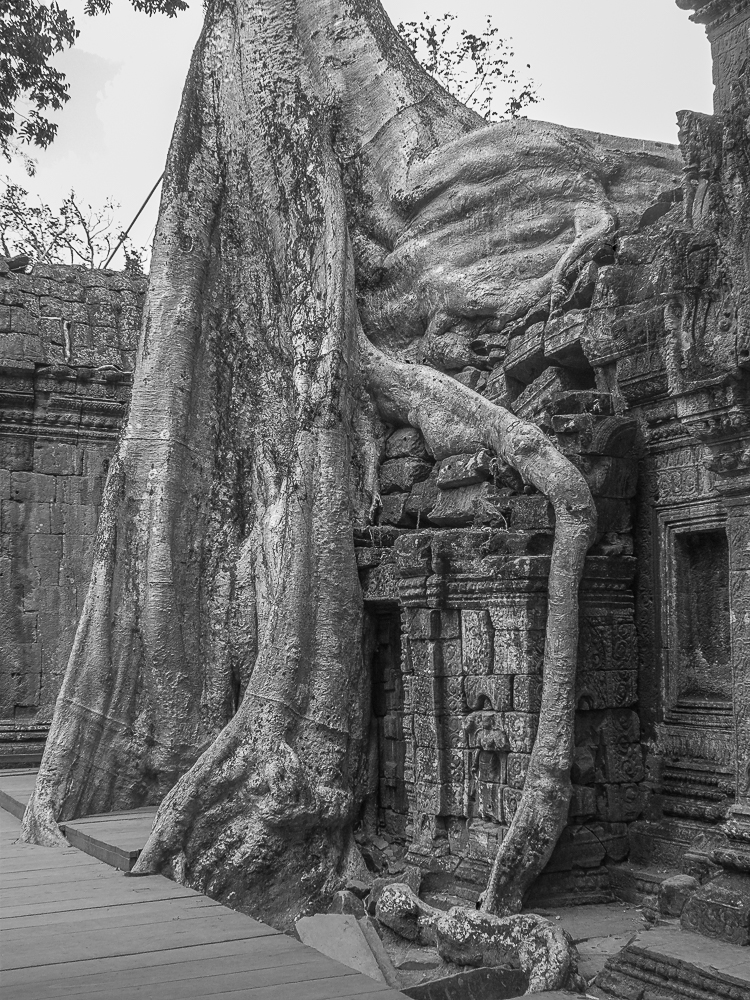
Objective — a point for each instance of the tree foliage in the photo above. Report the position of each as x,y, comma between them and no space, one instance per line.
476,69
31,34
76,234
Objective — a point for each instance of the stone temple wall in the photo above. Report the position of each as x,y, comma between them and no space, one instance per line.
67,345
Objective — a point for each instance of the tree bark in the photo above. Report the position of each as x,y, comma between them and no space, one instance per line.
322,195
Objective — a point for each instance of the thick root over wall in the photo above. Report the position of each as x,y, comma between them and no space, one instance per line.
217,669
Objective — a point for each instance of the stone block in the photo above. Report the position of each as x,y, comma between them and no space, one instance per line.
530,513
489,765
720,909
449,624
518,650
465,470
58,458
474,984
527,693
536,397
521,728
583,771
489,801
406,442
582,802
447,658
608,727
340,937
45,553
467,505
441,732
420,623
488,692
602,689
620,763
511,802
614,515
577,847
16,453
393,511
607,476
445,799
620,803
24,518
422,498
477,642
22,321
401,474
674,892
485,731
32,487
517,766
346,902
423,694
485,839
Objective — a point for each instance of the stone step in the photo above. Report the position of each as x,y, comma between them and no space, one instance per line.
669,964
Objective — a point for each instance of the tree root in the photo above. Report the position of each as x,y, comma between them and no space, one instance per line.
467,937
455,419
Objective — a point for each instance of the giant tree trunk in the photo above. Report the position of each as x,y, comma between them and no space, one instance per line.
322,194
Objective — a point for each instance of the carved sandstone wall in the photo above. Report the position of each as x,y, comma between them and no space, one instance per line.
67,341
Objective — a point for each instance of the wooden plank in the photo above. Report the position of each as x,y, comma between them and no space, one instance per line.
38,859
106,882
290,975
92,900
68,874
35,890
131,815
74,944
124,915
11,803
157,966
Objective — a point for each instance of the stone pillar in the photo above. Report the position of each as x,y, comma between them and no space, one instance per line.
721,908
726,26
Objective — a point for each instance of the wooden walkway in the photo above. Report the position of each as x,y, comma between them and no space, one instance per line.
73,927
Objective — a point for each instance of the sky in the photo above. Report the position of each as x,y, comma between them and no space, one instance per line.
619,66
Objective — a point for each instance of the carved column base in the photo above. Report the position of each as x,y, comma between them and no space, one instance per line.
735,856
720,909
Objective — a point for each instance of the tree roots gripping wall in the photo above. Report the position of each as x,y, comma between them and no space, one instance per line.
329,215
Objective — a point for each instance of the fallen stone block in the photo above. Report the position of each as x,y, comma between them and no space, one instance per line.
340,937
474,984
405,442
674,893
346,902
401,474
465,470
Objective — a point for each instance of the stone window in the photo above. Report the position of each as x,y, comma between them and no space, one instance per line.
695,610
702,617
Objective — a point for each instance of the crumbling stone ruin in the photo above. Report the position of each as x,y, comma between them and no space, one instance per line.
640,377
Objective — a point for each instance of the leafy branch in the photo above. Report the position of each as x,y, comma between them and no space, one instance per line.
76,234
475,68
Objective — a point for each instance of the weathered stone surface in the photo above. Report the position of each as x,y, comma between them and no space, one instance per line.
465,470
674,893
56,440
406,442
720,909
394,511
346,902
473,984
469,937
340,937
412,877
401,474
467,505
